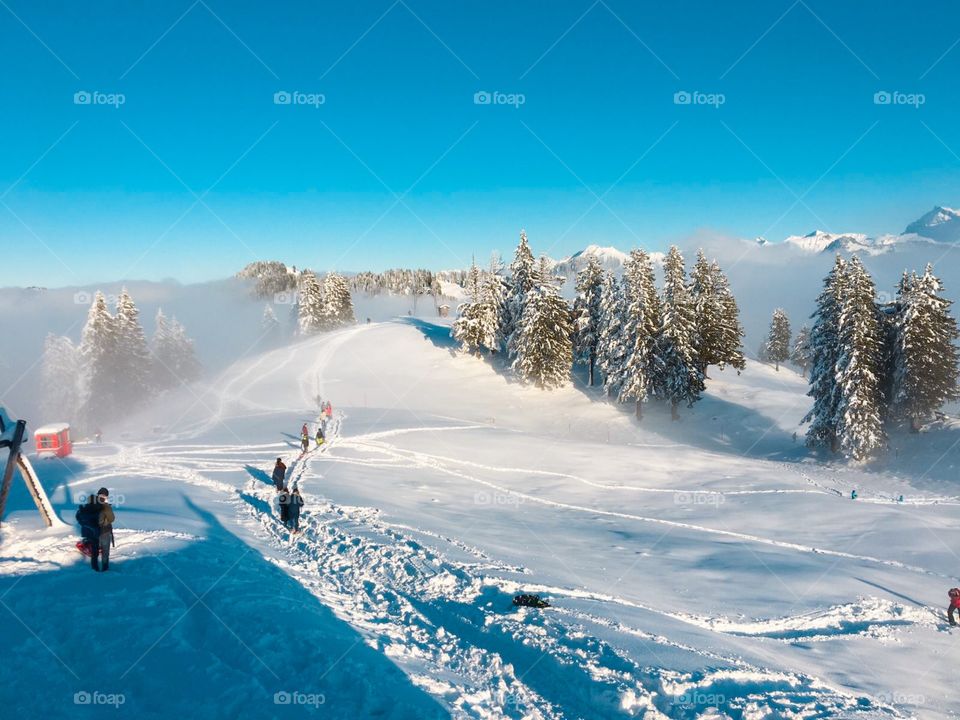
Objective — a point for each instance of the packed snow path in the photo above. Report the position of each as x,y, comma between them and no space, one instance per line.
698,571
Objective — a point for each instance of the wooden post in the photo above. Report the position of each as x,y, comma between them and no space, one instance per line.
12,461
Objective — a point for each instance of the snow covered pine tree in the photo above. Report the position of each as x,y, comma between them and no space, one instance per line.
777,349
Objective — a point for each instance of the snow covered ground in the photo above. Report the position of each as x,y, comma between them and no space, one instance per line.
703,569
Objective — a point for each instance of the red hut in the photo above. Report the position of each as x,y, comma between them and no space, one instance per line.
53,439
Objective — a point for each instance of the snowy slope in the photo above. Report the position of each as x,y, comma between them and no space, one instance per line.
699,565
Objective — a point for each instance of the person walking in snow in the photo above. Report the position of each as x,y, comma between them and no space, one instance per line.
279,474
296,504
304,430
88,515
954,595
106,520
305,442
329,410
320,436
283,500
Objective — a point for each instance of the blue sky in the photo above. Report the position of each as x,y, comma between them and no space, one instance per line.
199,171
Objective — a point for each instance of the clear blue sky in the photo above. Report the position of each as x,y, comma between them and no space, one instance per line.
199,171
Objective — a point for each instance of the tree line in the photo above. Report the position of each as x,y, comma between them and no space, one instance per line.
639,343
114,370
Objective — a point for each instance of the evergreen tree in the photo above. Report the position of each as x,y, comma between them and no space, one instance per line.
269,327
641,327
61,371
778,339
468,329
709,310
337,305
133,366
310,305
522,271
859,370
926,363
98,351
494,296
544,352
728,347
586,313
801,354
611,346
678,378
175,361
187,367
824,359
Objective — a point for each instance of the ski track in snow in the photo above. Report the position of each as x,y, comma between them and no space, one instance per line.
413,458
397,591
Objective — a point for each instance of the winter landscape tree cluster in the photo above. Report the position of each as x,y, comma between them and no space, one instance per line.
873,363
642,343
272,278
399,281
114,370
322,304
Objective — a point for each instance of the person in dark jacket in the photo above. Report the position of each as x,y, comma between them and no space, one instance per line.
296,503
88,515
279,474
105,520
283,500
320,436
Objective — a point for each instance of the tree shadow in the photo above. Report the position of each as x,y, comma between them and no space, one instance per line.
258,474
201,630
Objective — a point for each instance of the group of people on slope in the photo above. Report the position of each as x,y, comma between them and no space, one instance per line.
96,520
326,413
288,503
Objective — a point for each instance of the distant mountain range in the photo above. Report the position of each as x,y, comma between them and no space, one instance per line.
940,225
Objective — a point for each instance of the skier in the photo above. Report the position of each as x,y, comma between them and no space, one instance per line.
279,474
88,515
296,503
954,594
283,500
106,519
320,436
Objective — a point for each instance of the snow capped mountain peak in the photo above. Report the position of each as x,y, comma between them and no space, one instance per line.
603,254
941,224
820,241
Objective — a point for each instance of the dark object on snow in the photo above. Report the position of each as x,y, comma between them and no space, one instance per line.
279,474
293,511
534,601
954,594
283,499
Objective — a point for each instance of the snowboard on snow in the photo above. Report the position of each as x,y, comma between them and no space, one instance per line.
534,601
